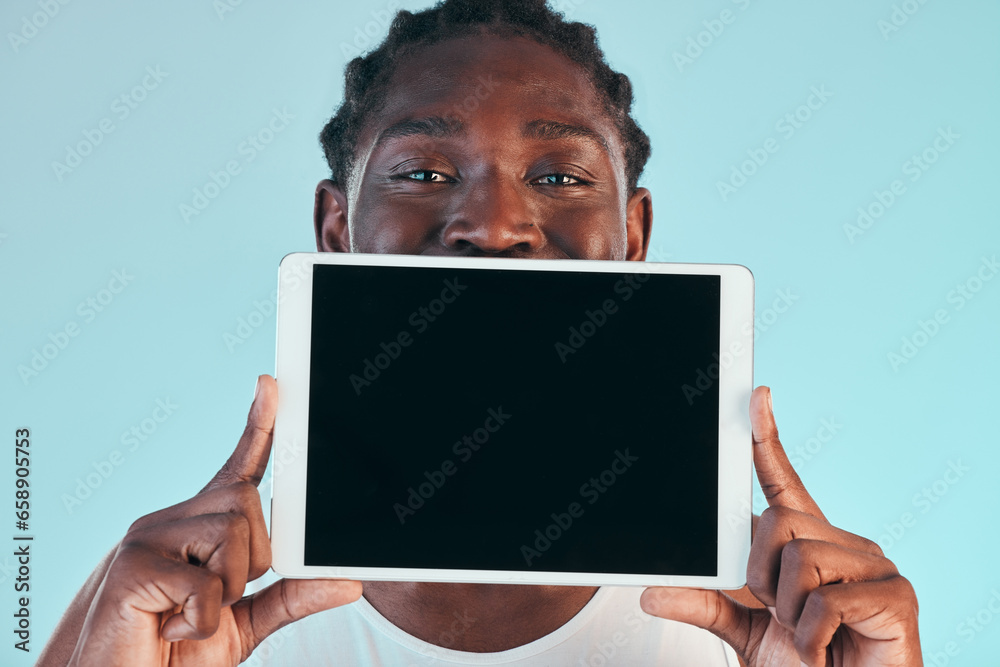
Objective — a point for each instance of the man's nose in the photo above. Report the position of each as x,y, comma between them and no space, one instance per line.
494,216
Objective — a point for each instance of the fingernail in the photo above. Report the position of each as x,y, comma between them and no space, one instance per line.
770,405
256,389
653,600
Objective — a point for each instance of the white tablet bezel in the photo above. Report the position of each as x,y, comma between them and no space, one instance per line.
734,374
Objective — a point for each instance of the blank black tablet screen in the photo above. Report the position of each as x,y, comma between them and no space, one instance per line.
513,420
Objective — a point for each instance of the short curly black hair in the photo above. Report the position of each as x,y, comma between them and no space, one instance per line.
366,78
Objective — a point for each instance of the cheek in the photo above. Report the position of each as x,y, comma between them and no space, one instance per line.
588,232
382,224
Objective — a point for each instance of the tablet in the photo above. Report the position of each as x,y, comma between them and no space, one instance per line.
488,420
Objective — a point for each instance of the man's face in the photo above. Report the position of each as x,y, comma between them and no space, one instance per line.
488,146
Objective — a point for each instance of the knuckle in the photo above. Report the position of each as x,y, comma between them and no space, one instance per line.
212,587
130,559
769,518
796,551
820,599
205,625
223,525
145,522
779,514
160,516
260,560
907,591
246,494
128,551
239,528
871,546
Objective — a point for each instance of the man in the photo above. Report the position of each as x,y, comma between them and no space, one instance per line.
481,128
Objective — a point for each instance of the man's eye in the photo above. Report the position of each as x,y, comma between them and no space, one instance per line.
558,179
427,176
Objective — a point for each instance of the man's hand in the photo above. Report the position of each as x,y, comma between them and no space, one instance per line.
831,597
172,595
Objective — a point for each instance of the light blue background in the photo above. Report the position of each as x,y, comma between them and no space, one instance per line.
162,337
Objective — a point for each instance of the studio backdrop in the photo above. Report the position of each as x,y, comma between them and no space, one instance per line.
160,158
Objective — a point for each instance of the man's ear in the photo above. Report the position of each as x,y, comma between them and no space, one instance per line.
638,224
330,218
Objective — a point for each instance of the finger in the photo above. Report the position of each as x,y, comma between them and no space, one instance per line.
714,611
217,543
249,460
241,498
778,480
154,584
777,527
806,565
286,601
884,612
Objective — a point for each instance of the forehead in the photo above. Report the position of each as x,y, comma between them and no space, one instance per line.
495,77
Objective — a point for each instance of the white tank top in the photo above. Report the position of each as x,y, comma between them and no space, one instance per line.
610,630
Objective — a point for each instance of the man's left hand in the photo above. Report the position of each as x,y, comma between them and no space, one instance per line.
830,598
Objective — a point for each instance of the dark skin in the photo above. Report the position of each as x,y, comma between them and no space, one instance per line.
536,171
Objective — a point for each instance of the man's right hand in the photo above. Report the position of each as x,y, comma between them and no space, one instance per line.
173,593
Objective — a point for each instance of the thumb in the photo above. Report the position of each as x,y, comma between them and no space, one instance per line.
778,480
714,611
249,460
285,601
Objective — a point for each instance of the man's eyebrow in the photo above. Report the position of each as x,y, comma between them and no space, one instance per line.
553,129
431,126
